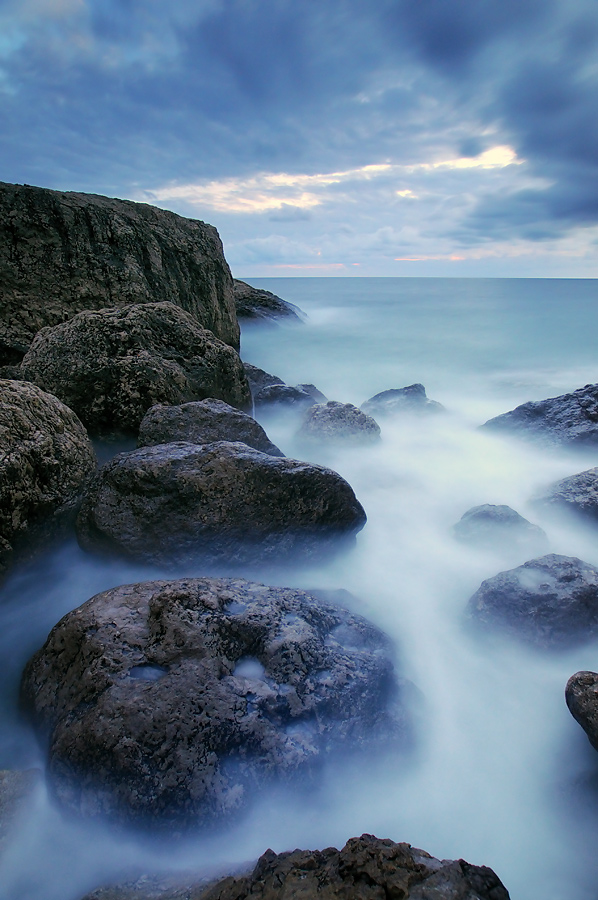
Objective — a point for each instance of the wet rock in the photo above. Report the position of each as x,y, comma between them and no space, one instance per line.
46,459
549,602
170,702
577,494
256,305
223,503
411,399
112,365
283,395
581,695
491,527
570,419
367,868
259,378
342,423
16,795
312,390
61,253
203,422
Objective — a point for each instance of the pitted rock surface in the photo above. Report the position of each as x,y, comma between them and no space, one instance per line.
549,602
112,365
489,526
46,459
257,305
335,422
581,695
203,422
577,494
61,253
222,503
410,399
570,419
170,701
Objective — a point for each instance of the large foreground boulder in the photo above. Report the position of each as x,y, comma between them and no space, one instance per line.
170,701
258,306
581,695
46,459
367,868
338,423
548,602
112,365
410,399
203,422
577,494
492,527
61,253
570,419
223,503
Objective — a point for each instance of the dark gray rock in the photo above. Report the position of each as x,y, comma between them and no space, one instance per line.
283,395
500,527
259,378
256,305
570,419
223,503
577,494
341,423
170,702
112,365
549,602
581,695
312,390
46,459
17,789
61,253
203,422
411,399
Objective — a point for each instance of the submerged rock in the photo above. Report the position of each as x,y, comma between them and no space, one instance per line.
203,422
61,253
570,419
46,459
581,695
335,422
224,503
169,702
500,527
367,868
411,399
257,305
550,602
112,365
577,494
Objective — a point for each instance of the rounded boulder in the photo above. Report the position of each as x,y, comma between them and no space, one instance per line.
338,423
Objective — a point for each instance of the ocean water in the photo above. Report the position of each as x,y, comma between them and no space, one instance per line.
501,774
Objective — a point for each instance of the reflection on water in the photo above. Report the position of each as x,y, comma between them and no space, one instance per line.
502,775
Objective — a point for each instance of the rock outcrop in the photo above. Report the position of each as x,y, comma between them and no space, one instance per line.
577,494
203,422
223,503
367,868
169,703
549,602
410,399
338,423
46,459
581,695
112,365
61,253
257,305
570,419
500,527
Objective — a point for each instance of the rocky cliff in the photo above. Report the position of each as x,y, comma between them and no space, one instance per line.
61,253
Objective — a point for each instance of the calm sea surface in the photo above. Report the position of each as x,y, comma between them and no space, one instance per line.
501,774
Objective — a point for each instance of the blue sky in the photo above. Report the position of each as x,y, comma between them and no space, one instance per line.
322,137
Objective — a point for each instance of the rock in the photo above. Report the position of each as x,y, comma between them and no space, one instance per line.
283,395
367,868
570,419
399,400
312,390
61,253
581,695
46,459
16,794
257,305
549,602
335,422
223,503
169,702
258,378
577,494
492,527
203,422
111,365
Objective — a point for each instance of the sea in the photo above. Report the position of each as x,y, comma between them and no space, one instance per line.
499,773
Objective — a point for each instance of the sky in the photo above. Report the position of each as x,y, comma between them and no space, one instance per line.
322,137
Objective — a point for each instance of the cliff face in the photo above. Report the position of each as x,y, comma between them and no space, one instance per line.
61,253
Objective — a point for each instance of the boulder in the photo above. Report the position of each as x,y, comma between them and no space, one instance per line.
17,788
61,253
46,459
335,422
256,305
570,419
169,702
367,868
259,378
410,399
577,494
581,695
223,503
500,527
283,395
112,365
202,422
549,602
